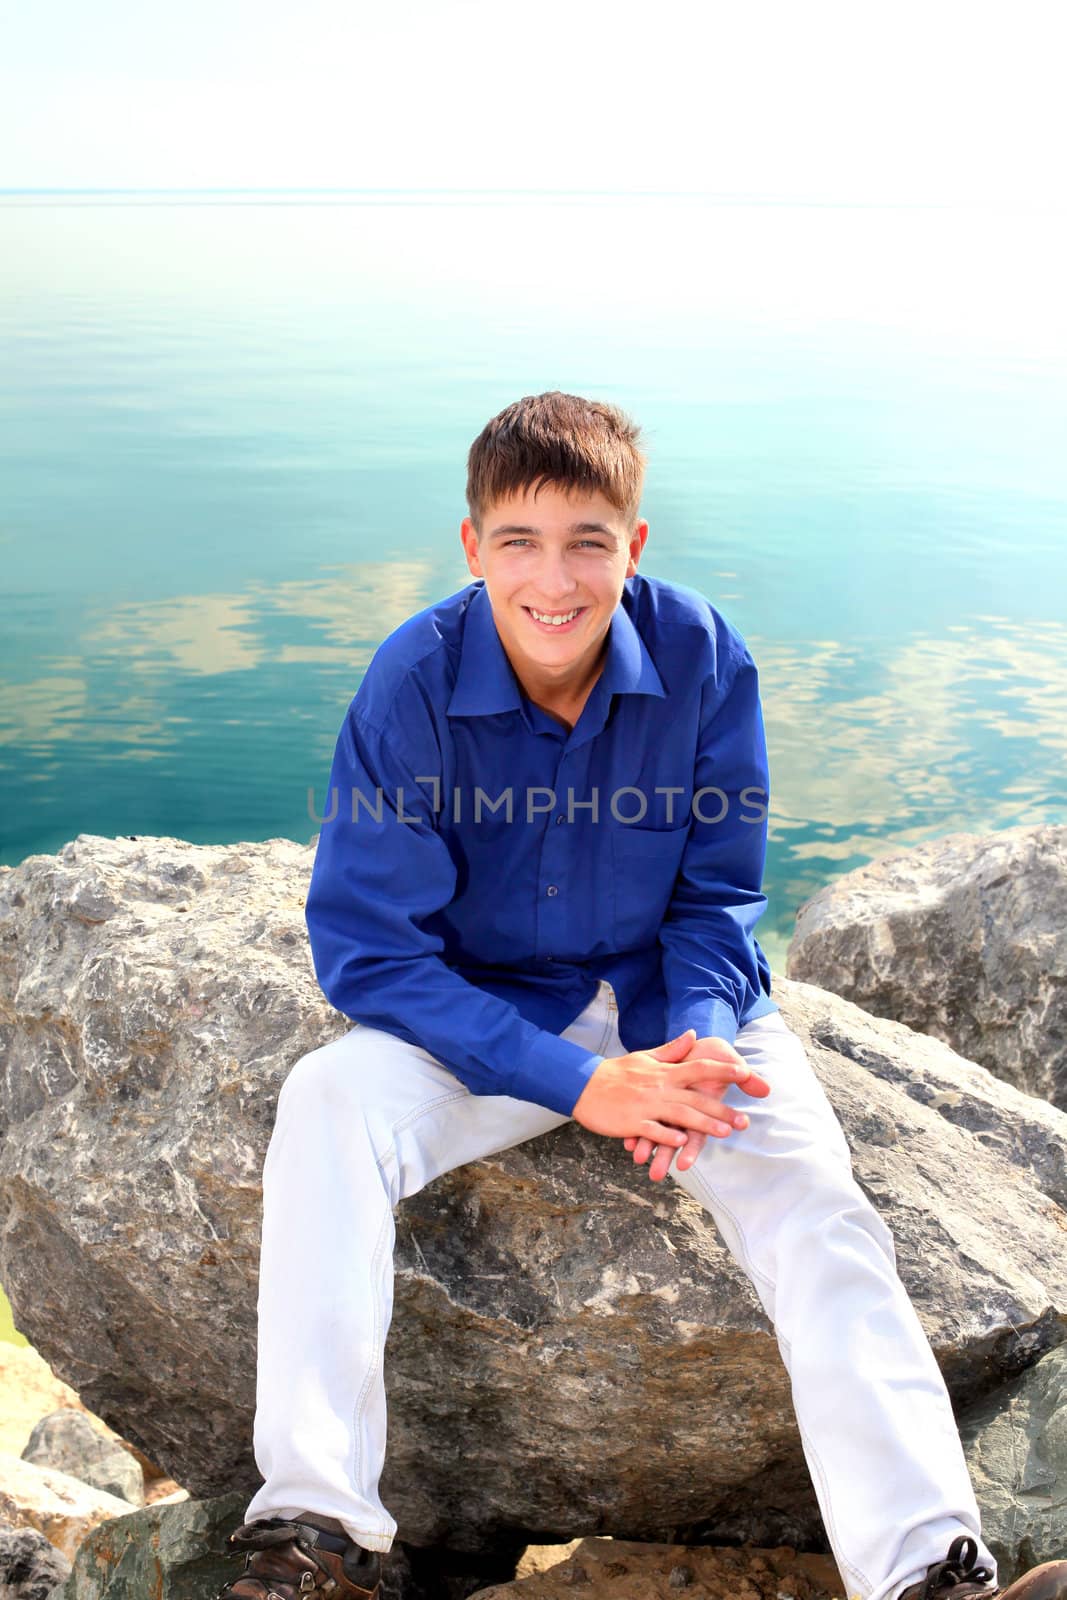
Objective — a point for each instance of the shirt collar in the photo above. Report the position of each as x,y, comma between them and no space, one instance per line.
486,684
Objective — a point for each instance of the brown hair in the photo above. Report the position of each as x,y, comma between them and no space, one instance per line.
560,439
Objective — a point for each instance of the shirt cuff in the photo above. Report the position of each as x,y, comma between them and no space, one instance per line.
553,1072
712,1019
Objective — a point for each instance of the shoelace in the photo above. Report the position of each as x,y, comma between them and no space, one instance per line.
958,1568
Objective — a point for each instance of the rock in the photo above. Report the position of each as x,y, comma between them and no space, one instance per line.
1016,1446
61,1507
67,1440
30,1567
548,1301
613,1569
168,1552
963,938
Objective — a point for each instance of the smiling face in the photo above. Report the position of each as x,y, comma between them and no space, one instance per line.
554,564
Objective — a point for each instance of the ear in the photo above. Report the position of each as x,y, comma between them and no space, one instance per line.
637,544
470,548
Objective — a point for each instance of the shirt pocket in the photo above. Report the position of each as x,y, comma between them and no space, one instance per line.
645,864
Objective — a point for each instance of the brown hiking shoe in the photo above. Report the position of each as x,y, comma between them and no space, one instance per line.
297,1561
958,1578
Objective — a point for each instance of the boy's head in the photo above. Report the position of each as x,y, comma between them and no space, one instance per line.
581,446
554,490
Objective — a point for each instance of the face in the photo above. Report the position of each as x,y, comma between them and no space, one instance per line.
546,556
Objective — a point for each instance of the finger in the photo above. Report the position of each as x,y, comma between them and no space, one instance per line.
754,1085
705,1066
718,1050
628,1144
643,1148
686,1116
720,1108
706,1103
689,1152
661,1163
675,1049
662,1133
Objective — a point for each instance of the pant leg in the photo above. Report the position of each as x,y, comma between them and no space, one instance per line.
361,1123
875,1418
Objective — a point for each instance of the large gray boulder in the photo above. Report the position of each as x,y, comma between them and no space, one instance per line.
549,1301
964,938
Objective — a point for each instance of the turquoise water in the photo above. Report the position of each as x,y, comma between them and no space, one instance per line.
232,457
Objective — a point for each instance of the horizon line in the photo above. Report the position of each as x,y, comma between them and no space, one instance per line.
754,198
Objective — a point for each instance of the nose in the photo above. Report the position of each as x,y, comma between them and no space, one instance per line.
555,581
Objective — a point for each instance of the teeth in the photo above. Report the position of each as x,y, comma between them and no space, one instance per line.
556,622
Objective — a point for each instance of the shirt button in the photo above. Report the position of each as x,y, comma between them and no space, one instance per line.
551,890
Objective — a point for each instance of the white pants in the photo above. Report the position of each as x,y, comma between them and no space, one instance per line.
368,1119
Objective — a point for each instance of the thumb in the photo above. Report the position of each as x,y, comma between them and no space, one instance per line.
675,1049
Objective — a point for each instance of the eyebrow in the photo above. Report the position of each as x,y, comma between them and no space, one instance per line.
575,527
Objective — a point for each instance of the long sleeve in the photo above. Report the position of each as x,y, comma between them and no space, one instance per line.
710,965
376,883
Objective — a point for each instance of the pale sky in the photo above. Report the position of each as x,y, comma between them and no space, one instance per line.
909,101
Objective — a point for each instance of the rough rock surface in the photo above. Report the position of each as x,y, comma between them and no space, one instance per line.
30,1567
624,1570
964,938
67,1440
153,995
62,1508
1016,1445
166,1552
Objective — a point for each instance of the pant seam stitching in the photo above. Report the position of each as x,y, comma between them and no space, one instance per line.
378,1351
413,1116
813,1455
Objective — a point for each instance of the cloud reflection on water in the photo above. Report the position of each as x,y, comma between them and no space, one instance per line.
871,750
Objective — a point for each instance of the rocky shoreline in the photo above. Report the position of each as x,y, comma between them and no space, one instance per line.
153,995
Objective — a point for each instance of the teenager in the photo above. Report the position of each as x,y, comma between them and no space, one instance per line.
535,893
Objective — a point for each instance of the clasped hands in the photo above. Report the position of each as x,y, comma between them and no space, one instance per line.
671,1096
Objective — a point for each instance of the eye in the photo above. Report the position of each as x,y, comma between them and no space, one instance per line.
508,542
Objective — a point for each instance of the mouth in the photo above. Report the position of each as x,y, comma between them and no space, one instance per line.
556,621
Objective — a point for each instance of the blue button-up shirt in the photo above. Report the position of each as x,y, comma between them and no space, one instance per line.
479,868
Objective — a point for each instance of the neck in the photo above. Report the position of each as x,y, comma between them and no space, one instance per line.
565,699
